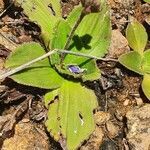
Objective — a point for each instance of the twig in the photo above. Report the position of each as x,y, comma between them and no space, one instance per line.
2,76
1,14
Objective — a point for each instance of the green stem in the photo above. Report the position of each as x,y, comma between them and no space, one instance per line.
73,30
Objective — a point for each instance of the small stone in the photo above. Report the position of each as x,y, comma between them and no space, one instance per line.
139,101
126,102
26,137
138,123
101,117
112,129
95,140
1,5
119,44
25,120
24,38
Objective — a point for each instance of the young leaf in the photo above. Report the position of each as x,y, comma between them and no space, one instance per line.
136,36
133,61
74,108
74,15
45,13
39,74
59,38
60,34
146,85
146,61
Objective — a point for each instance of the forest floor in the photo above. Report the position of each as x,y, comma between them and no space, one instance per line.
123,116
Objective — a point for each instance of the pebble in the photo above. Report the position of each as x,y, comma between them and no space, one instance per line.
138,123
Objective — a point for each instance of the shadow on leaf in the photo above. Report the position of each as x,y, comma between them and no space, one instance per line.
81,42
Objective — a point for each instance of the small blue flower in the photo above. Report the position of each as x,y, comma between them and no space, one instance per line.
75,69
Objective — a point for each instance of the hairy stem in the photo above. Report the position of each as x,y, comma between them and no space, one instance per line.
24,66
86,55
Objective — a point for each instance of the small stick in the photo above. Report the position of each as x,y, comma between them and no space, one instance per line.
2,76
1,14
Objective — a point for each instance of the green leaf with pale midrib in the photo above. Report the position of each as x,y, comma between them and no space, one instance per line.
136,36
59,38
40,74
97,27
74,100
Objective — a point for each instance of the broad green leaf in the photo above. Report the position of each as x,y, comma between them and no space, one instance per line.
40,74
148,1
146,61
60,37
146,85
91,37
25,53
60,34
42,77
74,109
133,61
45,13
136,36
